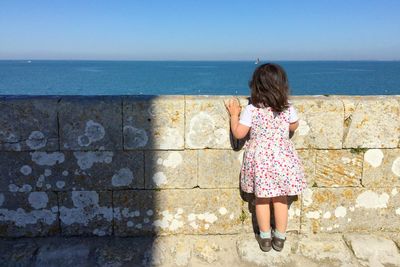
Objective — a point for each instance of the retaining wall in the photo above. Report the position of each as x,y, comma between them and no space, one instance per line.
137,165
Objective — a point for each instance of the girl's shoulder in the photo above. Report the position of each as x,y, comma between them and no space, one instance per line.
250,107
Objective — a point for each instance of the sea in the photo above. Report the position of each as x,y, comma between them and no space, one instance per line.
80,77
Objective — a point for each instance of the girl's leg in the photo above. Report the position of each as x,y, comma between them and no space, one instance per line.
280,213
263,214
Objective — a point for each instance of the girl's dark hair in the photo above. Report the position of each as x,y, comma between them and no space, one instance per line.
270,87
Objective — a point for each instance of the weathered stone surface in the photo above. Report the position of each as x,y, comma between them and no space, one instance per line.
195,211
294,213
28,123
338,168
373,250
95,123
320,122
29,171
249,251
207,122
350,209
100,170
86,213
63,255
326,250
66,171
350,104
153,122
395,237
123,251
28,214
17,253
373,122
381,168
171,169
307,158
219,168
212,250
191,250
197,250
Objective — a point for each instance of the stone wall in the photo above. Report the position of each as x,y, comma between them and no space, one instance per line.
130,166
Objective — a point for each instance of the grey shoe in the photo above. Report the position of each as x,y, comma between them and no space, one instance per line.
278,243
264,243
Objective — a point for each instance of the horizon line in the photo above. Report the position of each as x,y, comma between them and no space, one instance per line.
205,60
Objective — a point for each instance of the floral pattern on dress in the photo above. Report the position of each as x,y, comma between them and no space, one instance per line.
271,166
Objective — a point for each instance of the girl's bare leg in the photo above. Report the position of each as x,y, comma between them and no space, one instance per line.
263,214
280,213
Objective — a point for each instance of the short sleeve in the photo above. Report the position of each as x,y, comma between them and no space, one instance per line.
245,118
292,114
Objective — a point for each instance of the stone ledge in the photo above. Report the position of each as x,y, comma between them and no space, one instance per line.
191,250
194,122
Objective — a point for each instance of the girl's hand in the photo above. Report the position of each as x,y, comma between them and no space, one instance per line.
233,107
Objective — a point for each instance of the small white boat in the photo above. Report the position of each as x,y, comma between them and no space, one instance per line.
29,61
257,61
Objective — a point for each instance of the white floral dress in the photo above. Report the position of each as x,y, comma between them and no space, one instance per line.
271,166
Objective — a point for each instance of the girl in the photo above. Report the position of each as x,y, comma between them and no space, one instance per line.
271,168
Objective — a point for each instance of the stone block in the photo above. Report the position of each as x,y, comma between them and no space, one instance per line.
372,122
335,210
335,168
171,169
154,122
64,254
320,122
28,214
86,213
371,250
67,171
381,168
30,171
17,253
192,250
28,123
207,122
94,124
219,168
101,170
250,253
134,251
195,211
326,250
307,158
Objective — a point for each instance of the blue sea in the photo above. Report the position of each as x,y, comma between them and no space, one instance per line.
25,77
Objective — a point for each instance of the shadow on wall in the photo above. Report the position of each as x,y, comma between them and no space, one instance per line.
75,166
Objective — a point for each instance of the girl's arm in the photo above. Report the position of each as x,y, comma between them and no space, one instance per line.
293,126
239,131
293,119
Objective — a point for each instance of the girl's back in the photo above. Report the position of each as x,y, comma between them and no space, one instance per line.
271,168
267,125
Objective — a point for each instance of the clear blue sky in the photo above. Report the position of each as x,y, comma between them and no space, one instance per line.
200,29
